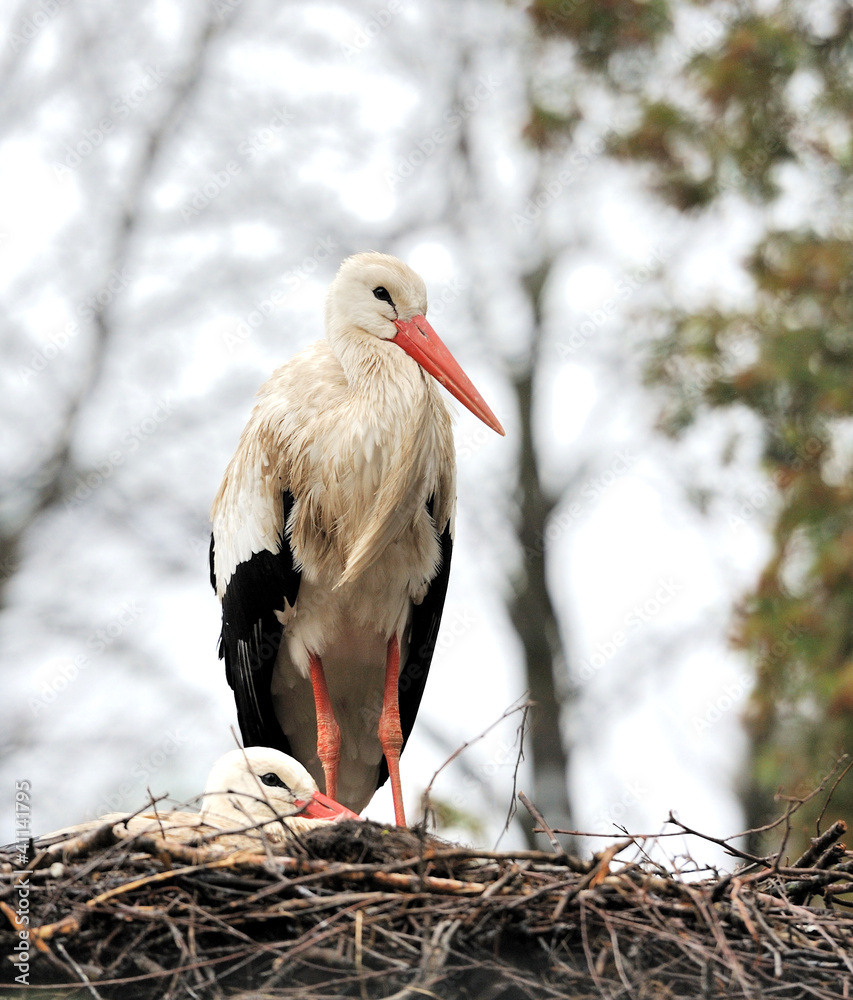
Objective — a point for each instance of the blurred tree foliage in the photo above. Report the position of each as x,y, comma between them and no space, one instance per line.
752,103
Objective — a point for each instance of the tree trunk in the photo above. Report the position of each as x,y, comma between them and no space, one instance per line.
531,609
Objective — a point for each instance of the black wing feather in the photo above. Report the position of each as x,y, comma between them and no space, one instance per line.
426,618
251,635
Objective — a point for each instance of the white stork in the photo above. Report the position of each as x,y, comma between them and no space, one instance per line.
332,534
256,787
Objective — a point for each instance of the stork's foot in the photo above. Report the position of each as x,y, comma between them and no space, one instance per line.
328,731
390,731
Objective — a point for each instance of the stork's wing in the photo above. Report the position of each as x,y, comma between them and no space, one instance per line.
426,618
251,634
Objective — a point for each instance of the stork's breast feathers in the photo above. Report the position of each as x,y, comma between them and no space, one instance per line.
361,471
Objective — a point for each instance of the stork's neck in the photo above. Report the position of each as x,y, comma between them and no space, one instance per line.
380,375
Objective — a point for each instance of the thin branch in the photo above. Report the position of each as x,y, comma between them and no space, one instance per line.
425,798
54,468
543,825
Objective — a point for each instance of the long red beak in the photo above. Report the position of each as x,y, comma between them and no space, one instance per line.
320,806
421,342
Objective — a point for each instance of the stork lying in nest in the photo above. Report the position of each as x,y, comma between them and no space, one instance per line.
252,795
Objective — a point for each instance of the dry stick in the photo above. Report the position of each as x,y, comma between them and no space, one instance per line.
124,980
566,860
832,790
771,934
785,835
590,964
797,803
709,917
602,868
284,955
842,955
83,977
737,885
793,806
617,956
309,869
540,819
824,871
435,953
522,729
71,924
510,711
820,844
590,879
722,842
359,957
508,876
65,850
229,927
86,841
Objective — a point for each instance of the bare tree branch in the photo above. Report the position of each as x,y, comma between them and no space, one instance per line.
54,469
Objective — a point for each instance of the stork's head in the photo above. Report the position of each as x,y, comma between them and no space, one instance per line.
259,785
371,292
379,295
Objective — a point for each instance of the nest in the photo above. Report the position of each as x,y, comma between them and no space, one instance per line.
363,910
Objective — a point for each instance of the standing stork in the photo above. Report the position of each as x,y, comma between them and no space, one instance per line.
332,535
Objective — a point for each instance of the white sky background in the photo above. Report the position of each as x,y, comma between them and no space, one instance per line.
309,140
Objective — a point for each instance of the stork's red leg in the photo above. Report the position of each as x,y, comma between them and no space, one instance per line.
328,731
390,733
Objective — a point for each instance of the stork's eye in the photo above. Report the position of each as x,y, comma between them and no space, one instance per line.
383,294
273,779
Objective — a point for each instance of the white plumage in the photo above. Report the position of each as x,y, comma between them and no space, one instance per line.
334,518
258,787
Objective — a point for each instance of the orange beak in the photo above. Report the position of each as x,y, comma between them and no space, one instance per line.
320,806
421,342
